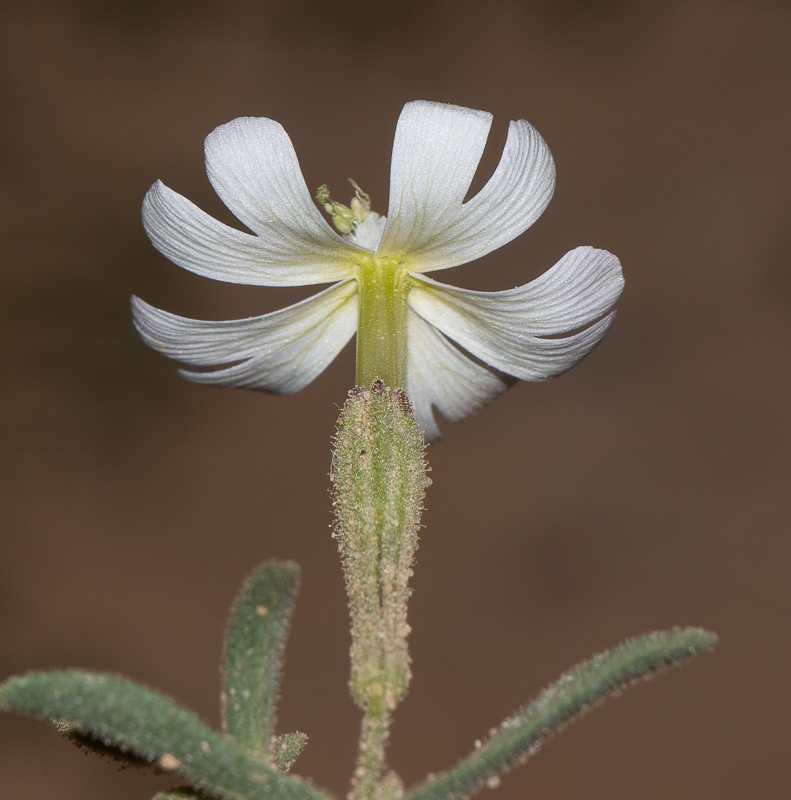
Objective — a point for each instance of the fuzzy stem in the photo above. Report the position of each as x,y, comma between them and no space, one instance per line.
378,476
371,754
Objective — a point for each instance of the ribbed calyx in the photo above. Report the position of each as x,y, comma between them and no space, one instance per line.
379,478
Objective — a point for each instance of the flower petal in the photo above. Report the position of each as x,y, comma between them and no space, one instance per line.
510,202
501,328
196,241
439,374
436,151
252,165
437,235
279,352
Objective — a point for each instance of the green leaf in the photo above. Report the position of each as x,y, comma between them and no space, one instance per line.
576,692
287,749
179,794
134,720
254,642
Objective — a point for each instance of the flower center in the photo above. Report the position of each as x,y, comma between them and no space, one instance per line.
382,283
345,218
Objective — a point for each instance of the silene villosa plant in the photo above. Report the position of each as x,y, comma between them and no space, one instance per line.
421,345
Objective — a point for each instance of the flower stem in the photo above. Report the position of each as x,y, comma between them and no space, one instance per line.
371,754
378,474
381,332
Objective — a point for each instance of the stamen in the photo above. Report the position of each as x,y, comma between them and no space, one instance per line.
361,202
345,218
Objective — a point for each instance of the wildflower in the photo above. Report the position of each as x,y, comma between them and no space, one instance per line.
412,331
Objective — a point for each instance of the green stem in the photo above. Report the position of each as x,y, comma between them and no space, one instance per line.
371,753
381,332
378,473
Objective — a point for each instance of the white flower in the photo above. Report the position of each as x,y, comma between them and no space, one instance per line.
413,331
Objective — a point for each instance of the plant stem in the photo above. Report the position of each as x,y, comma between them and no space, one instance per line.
381,329
378,475
371,754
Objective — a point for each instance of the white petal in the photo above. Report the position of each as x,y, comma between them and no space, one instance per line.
279,352
579,289
436,151
252,165
439,375
510,202
368,233
445,235
502,328
192,239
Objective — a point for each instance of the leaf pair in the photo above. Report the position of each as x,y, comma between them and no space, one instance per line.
246,762
117,716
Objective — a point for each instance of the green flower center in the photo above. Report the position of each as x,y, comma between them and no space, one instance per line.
383,284
345,218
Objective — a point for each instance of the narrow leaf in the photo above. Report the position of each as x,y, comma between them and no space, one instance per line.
179,794
576,692
254,642
132,719
287,749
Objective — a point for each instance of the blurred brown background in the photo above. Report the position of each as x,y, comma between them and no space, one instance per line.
646,488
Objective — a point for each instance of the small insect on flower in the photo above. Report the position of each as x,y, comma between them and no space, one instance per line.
412,332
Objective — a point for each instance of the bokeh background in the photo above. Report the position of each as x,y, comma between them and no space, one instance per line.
646,488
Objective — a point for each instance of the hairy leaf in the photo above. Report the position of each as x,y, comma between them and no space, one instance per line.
287,749
576,692
254,642
132,719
